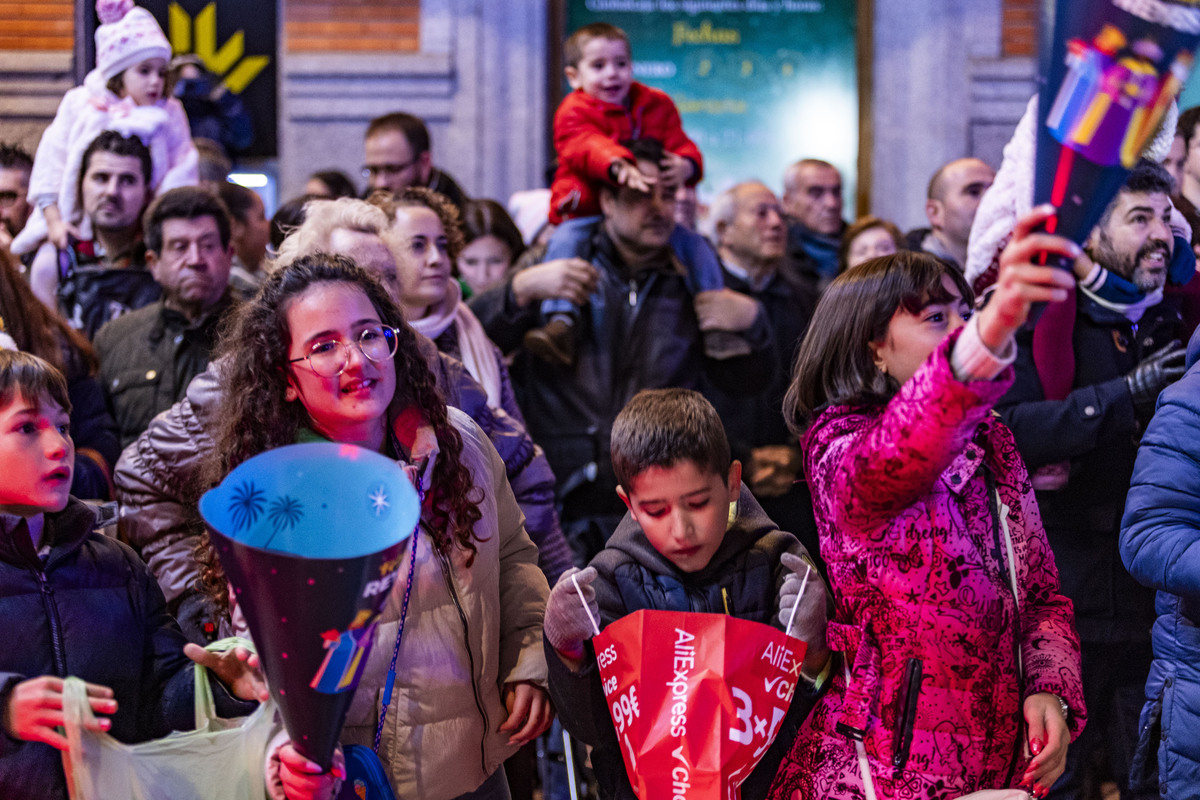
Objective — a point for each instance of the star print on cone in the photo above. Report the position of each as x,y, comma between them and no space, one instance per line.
696,699
311,537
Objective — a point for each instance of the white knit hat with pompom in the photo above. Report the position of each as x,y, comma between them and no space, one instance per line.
127,35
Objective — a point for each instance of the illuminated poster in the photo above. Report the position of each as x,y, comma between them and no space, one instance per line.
759,83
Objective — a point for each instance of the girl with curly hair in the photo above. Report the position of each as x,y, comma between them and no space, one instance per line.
322,353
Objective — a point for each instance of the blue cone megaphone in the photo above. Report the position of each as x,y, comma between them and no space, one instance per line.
311,538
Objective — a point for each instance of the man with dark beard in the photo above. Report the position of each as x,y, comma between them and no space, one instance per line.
104,277
1124,356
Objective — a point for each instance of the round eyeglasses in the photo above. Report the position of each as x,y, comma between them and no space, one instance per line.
329,358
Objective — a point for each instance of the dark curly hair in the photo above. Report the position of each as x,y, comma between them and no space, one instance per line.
38,330
255,417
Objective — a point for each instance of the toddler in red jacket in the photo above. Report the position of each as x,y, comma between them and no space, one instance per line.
606,109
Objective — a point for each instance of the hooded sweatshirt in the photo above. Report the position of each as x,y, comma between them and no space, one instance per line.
633,575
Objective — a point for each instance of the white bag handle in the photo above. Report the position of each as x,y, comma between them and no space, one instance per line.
588,611
77,713
206,707
792,616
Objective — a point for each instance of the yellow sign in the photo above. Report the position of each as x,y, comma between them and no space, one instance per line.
200,37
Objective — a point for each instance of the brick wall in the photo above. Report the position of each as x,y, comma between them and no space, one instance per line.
351,26
47,26
1019,27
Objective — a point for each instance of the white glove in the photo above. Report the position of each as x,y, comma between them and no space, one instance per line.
567,624
808,625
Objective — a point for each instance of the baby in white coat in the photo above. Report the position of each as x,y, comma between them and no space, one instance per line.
125,93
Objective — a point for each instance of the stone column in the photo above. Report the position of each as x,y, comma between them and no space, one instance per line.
478,81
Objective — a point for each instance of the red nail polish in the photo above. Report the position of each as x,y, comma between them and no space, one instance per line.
1035,746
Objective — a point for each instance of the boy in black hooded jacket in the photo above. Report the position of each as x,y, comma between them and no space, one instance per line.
77,603
694,539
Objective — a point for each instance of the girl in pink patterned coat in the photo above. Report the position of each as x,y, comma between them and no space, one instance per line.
958,677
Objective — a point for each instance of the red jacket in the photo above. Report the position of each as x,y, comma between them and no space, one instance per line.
587,136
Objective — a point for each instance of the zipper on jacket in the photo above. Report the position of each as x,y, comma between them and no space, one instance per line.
633,294
1001,551
443,562
56,643
907,717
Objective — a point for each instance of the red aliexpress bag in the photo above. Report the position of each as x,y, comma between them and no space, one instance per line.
696,698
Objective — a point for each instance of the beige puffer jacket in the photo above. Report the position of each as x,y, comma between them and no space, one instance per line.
469,630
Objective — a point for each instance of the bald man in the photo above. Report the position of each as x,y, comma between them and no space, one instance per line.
952,200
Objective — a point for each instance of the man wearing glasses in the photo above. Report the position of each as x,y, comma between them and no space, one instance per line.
398,156
15,166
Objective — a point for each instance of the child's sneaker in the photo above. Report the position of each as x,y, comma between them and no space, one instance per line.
555,342
720,345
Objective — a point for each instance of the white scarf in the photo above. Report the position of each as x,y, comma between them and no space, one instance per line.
477,352
1131,311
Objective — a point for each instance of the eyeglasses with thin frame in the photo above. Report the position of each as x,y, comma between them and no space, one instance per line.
389,170
329,358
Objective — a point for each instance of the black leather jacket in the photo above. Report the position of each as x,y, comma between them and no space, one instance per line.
638,331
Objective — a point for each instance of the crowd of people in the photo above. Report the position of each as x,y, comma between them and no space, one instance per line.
613,399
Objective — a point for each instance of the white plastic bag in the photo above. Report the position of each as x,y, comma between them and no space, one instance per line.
221,760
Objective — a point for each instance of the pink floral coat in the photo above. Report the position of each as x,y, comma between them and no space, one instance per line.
910,529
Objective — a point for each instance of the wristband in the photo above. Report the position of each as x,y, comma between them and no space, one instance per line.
822,676
1062,706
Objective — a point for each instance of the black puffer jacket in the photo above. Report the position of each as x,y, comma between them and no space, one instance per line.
93,611
156,475
633,576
